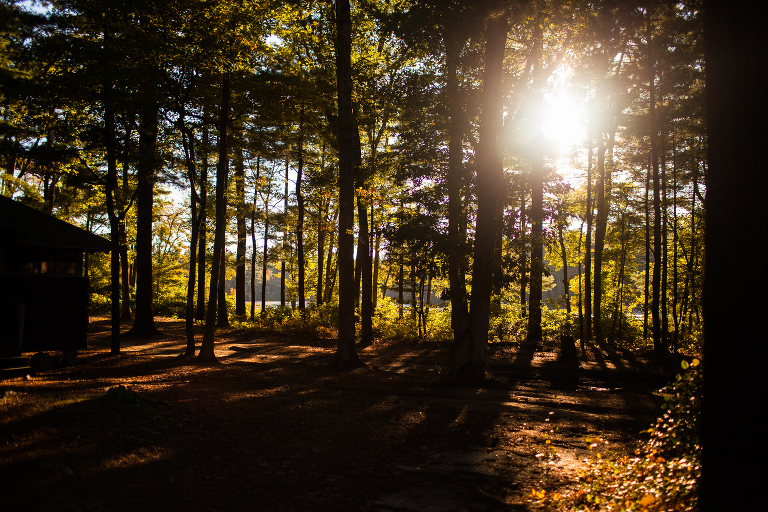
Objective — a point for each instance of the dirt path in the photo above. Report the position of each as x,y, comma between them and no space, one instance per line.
272,428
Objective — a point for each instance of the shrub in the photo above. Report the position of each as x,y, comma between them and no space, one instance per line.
663,475
387,322
170,301
99,303
507,323
439,324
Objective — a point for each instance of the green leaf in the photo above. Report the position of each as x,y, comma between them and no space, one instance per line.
684,364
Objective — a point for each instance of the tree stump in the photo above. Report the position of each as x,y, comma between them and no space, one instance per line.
568,353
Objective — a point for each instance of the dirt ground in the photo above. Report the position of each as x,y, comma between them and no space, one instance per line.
271,427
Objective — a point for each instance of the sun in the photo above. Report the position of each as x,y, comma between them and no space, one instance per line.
564,123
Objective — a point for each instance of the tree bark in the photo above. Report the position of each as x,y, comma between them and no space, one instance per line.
376,264
537,246
566,287
470,350
253,238
364,257
588,249
582,341
346,357
222,309
265,260
664,260
300,217
537,198
601,224
647,287
124,264
400,282
189,151
241,234
675,283
222,170
330,269
114,223
125,290
285,236
454,181
144,323
657,256
202,246
523,255
321,226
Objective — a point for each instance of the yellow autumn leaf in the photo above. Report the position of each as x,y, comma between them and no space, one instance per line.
647,500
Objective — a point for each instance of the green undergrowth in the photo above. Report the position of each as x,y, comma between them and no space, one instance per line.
663,473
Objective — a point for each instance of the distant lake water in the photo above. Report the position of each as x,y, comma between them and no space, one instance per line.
269,303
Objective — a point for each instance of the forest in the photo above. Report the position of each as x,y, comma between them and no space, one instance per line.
484,175
491,148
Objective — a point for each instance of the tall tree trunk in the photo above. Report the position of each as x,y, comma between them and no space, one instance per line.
588,248
364,258
202,246
346,355
385,285
534,334
125,289
285,236
376,263
657,256
253,266
566,287
675,283
330,269
664,260
253,238
581,296
523,255
219,240
647,249
114,222
470,350
144,323
537,246
222,310
189,153
241,234
692,255
601,224
124,264
321,226
265,259
300,219
618,302
400,284
414,305
454,182
735,350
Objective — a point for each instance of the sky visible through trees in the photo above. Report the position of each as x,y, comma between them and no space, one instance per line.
537,168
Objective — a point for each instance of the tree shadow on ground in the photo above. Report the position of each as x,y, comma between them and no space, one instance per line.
272,423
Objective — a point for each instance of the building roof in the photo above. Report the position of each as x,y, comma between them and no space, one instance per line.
26,226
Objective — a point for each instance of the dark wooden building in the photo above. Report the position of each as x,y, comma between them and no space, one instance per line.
43,293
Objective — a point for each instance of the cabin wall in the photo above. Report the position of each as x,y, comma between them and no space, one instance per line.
54,309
